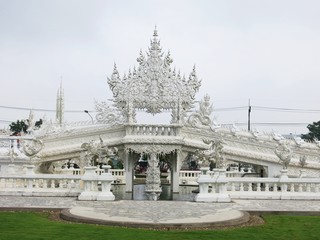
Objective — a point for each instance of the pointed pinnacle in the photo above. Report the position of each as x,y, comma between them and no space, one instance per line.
155,32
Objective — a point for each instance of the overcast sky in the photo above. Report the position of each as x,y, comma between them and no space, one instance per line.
266,51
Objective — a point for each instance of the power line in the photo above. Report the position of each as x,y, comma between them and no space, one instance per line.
230,109
295,110
236,108
5,121
269,124
41,109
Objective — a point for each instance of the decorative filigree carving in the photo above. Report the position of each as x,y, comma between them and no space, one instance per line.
216,152
201,118
154,86
303,161
284,153
153,182
299,141
277,137
4,144
30,122
32,147
108,115
96,151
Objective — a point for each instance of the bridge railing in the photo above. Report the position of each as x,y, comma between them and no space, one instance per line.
274,188
219,188
152,130
188,177
40,185
89,186
118,174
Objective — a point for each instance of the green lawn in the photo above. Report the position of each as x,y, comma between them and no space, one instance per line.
32,225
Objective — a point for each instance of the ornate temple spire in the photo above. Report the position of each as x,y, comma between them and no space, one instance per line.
153,86
155,31
60,106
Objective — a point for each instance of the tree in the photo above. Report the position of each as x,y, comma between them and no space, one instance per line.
22,126
18,127
38,123
314,132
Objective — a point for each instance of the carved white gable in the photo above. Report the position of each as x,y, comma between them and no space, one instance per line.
154,86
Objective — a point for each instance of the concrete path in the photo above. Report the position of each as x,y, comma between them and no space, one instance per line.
159,214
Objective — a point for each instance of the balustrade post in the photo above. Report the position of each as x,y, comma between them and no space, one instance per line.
215,176
222,181
284,180
308,187
204,180
90,179
11,169
219,181
106,179
302,173
29,169
241,187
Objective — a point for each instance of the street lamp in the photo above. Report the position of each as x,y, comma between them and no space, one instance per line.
87,112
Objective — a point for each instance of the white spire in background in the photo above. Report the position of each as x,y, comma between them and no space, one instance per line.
60,105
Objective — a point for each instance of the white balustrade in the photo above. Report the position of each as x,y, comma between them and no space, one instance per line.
40,185
153,130
91,180
260,188
218,182
188,177
89,186
119,175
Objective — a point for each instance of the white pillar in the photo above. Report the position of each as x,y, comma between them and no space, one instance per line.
175,174
128,165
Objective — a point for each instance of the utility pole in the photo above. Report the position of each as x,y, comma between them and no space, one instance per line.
249,115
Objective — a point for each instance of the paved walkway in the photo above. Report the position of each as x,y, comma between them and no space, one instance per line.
159,213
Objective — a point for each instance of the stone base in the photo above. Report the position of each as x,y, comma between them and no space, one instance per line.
88,196
106,197
212,197
153,195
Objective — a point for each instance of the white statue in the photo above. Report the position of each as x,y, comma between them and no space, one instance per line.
284,153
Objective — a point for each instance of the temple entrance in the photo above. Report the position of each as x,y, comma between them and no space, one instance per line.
140,177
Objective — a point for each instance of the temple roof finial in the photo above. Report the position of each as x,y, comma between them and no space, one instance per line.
155,32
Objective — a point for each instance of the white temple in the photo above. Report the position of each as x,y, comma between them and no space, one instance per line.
192,137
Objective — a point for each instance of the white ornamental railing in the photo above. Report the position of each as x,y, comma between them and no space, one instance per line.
219,188
274,188
186,177
40,185
70,171
89,186
152,130
118,174
190,177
